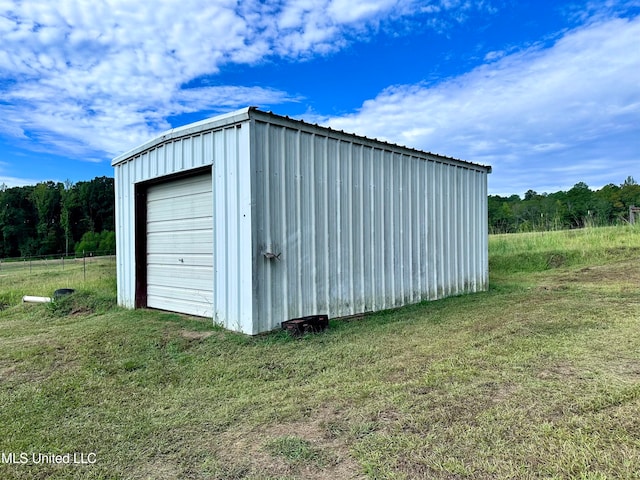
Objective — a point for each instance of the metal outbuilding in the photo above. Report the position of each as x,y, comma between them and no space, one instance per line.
251,219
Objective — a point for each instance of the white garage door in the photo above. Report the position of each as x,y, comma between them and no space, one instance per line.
180,246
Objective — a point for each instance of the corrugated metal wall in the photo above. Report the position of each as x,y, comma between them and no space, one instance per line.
359,225
227,151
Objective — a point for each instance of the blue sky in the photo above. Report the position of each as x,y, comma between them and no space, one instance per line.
547,92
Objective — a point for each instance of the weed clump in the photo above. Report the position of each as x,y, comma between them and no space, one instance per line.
81,303
295,450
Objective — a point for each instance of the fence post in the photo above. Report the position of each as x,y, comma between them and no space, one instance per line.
29,263
84,266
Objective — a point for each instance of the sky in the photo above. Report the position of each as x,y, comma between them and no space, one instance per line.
546,92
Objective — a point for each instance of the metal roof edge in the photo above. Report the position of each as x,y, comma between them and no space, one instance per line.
223,120
255,112
247,113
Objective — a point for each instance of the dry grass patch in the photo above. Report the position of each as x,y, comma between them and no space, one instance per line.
302,449
195,336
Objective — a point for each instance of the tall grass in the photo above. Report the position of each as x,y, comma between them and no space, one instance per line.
96,275
539,251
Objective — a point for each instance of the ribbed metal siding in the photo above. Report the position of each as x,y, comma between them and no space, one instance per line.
227,151
359,225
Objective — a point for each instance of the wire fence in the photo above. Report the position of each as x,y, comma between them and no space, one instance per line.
46,263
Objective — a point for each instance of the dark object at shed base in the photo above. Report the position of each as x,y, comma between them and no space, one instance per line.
61,292
302,325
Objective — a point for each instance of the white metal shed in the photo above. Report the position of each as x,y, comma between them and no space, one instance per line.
252,218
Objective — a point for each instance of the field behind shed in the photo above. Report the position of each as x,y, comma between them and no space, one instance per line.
537,378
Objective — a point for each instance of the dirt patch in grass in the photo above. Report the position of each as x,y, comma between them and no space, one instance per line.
48,360
622,273
307,449
158,469
622,251
500,392
194,336
7,372
622,277
552,288
13,376
557,372
629,369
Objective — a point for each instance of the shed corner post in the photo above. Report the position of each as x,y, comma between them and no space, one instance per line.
248,238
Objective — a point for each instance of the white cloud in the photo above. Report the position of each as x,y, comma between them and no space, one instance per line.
102,76
212,98
573,103
344,11
10,182
96,78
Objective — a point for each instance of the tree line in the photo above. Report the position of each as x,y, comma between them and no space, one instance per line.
61,218
57,218
576,208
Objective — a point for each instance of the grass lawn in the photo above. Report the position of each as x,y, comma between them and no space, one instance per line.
537,378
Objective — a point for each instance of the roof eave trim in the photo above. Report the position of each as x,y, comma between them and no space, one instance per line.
219,121
283,120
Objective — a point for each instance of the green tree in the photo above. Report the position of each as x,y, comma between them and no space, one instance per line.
46,199
501,216
51,217
68,203
629,194
579,204
18,220
93,243
610,195
96,203
107,242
